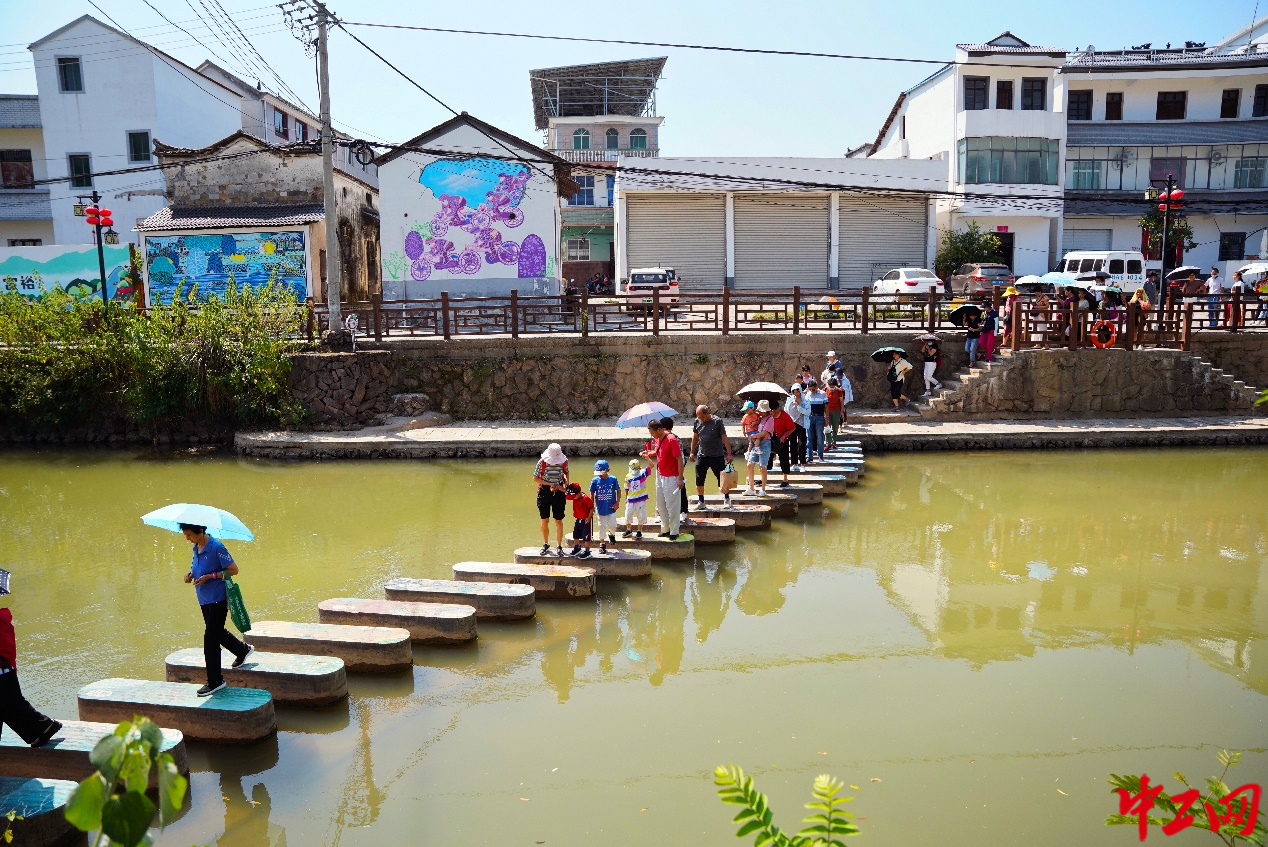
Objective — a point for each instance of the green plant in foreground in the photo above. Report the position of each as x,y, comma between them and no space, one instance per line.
825,826
1191,803
8,830
113,801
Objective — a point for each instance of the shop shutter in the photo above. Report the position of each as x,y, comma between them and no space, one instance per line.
683,232
879,233
781,240
1086,239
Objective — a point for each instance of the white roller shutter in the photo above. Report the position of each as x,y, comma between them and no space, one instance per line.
781,240
683,232
1086,239
879,233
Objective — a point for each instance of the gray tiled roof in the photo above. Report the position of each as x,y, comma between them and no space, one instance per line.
229,217
1165,133
991,48
1120,204
588,216
19,111
1192,57
24,205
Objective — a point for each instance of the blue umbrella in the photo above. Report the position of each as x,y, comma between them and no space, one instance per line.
221,524
643,414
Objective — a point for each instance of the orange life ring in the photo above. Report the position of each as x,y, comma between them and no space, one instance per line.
1096,334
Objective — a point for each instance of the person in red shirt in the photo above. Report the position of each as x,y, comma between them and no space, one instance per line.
784,429
669,478
583,520
35,728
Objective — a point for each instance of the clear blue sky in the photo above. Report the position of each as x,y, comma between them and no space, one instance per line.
714,104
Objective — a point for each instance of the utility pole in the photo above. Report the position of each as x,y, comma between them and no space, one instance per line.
333,268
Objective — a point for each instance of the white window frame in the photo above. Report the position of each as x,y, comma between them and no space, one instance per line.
149,139
576,247
581,139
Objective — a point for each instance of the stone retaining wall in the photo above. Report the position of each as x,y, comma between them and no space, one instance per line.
342,389
1244,354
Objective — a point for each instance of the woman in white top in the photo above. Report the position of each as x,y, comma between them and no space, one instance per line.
798,408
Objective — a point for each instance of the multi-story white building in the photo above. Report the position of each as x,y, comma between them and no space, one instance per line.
25,217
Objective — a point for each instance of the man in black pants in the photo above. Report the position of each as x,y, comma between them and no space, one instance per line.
710,450
35,728
207,573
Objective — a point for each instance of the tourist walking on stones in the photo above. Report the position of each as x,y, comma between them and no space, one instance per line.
211,562
636,499
31,725
818,401
897,375
834,368
682,491
836,409
669,477
606,492
551,477
582,521
710,450
799,410
783,426
760,447
931,353
972,332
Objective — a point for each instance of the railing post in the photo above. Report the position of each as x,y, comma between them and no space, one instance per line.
1186,328
994,296
726,309
515,313
1129,331
312,319
444,314
376,314
933,308
863,307
1073,329
1235,313
656,312
583,314
1015,324
796,309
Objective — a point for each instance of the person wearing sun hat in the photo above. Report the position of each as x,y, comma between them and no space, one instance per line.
551,478
1010,302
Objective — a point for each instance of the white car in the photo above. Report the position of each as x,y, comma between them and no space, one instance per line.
641,284
909,281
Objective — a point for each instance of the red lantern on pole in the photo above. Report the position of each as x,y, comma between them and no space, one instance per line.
93,220
91,210
1175,195
108,221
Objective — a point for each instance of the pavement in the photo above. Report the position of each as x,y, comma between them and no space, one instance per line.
490,439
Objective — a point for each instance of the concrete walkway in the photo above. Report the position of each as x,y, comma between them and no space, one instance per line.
600,438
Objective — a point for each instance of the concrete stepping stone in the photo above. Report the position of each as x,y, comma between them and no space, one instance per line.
230,715
747,517
705,529
816,473
428,623
41,805
66,756
557,581
683,547
781,505
625,562
833,485
292,680
491,600
364,649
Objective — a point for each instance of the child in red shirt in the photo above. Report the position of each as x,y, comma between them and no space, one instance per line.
583,515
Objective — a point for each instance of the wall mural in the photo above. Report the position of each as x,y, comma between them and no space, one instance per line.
478,197
34,271
208,261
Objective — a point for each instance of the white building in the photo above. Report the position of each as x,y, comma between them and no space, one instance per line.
775,223
25,216
994,118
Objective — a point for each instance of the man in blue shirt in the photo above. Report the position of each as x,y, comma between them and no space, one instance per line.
207,573
606,492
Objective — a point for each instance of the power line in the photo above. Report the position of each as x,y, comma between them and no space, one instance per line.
251,46
96,37
192,40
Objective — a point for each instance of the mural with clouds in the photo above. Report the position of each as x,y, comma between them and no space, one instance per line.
255,258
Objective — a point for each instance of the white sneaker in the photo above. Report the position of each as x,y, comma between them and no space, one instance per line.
796,468
750,492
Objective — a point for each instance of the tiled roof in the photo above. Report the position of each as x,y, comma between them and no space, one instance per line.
25,205
1188,57
1165,133
588,216
991,48
1120,204
19,111
229,217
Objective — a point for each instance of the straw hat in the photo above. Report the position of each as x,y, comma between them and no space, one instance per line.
1011,292
763,405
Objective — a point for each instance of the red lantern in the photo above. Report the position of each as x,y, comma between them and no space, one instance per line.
110,221
91,210
1175,206
93,220
105,213
1175,195
1162,207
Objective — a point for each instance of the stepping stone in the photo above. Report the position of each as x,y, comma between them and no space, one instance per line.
781,505
365,649
832,484
806,494
41,805
683,547
816,473
229,715
292,680
745,516
428,623
557,581
492,600
66,756
706,530
625,562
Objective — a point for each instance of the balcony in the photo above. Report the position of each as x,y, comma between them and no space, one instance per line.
603,154
1226,167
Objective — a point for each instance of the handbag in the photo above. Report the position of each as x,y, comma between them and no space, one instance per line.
237,607
728,478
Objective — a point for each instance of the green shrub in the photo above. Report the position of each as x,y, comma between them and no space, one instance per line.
825,827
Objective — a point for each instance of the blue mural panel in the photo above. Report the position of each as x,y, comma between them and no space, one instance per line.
208,261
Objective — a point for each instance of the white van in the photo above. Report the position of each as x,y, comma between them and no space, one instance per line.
1126,267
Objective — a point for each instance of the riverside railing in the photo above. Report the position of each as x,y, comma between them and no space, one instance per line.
791,311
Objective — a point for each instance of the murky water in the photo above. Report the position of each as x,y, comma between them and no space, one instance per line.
974,640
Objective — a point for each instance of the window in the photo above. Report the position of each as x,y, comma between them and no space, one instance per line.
1134,266
1230,103
16,170
902,128
1004,94
578,250
1232,246
1080,106
613,139
301,131
80,170
70,76
1086,175
369,199
890,275
1116,266
1161,168
581,139
611,187
1017,161
1259,109
1034,94
1171,105
1249,173
584,197
25,242
1114,106
139,146
638,139
975,92
281,124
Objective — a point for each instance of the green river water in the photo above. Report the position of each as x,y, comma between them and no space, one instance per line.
974,640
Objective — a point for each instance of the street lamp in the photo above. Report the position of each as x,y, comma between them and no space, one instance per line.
98,218
1170,197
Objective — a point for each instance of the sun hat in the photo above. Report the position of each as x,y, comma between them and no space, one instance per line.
832,354
601,465
1011,292
748,404
796,386
635,464
554,455
763,405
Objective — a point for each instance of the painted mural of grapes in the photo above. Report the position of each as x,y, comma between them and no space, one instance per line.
413,244
532,258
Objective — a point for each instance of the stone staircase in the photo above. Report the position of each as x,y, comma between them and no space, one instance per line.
947,401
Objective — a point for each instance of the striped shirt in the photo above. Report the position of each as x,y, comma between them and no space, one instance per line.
636,486
551,474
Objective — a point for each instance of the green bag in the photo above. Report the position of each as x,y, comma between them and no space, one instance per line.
237,607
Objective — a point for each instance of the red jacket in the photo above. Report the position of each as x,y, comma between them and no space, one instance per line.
8,642
784,425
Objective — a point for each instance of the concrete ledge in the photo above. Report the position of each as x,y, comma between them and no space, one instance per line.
491,600
292,680
627,563
706,530
559,582
747,516
362,648
66,756
427,623
233,715
682,547
41,806
781,505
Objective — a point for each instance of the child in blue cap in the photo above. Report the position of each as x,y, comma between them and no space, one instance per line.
606,492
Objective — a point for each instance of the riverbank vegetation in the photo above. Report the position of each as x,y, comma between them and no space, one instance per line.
222,362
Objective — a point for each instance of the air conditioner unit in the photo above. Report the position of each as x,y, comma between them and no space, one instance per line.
1217,158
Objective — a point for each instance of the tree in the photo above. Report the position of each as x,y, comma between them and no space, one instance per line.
964,247
1181,234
